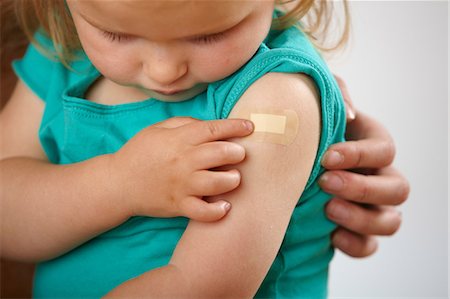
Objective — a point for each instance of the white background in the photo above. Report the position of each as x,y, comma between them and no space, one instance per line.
396,69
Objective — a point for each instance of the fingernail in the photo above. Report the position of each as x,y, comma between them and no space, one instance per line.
338,212
332,158
331,182
340,241
248,125
235,175
372,244
350,113
237,149
226,206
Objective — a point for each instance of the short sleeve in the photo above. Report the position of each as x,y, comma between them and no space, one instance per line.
289,51
35,68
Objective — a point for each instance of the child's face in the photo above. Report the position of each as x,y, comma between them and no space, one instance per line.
170,46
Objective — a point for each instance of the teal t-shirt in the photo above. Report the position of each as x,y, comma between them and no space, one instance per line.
74,129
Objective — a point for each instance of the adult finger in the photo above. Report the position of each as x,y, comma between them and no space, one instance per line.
222,129
209,183
200,210
214,154
365,126
353,244
364,220
370,145
365,153
349,107
388,187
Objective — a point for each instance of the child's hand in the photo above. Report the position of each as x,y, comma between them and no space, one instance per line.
165,170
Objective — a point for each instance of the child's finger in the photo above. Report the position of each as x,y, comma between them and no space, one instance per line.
200,210
222,129
216,154
209,183
176,122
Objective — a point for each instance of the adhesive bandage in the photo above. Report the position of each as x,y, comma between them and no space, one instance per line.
273,126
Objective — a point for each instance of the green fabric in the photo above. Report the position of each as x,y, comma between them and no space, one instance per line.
74,129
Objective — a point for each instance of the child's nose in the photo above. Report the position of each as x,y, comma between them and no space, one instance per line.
165,69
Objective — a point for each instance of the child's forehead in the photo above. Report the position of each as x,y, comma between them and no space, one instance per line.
162,18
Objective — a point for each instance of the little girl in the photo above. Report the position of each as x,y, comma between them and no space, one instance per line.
143,62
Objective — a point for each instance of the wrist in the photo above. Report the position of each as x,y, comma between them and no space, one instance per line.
112,184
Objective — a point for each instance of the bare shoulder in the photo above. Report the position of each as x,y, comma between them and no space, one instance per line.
273,177
277,92
281,89
20,120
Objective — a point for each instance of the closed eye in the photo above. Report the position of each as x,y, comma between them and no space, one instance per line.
208,39
115,37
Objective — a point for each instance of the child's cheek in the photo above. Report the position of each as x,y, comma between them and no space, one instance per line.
228,59
117,65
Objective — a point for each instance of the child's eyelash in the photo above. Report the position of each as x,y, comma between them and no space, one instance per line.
111,36
209,39
205,39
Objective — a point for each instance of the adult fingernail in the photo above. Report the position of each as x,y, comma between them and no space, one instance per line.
372,244
338,212
331,182
332,158
340,241
350,113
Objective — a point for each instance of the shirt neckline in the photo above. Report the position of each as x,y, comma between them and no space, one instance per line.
75,94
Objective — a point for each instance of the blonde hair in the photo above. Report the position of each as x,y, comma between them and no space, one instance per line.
53,17
316,18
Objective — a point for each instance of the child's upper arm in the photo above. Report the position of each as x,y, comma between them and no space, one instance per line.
19,124
231,257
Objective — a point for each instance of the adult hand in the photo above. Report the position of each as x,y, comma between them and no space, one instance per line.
365,184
